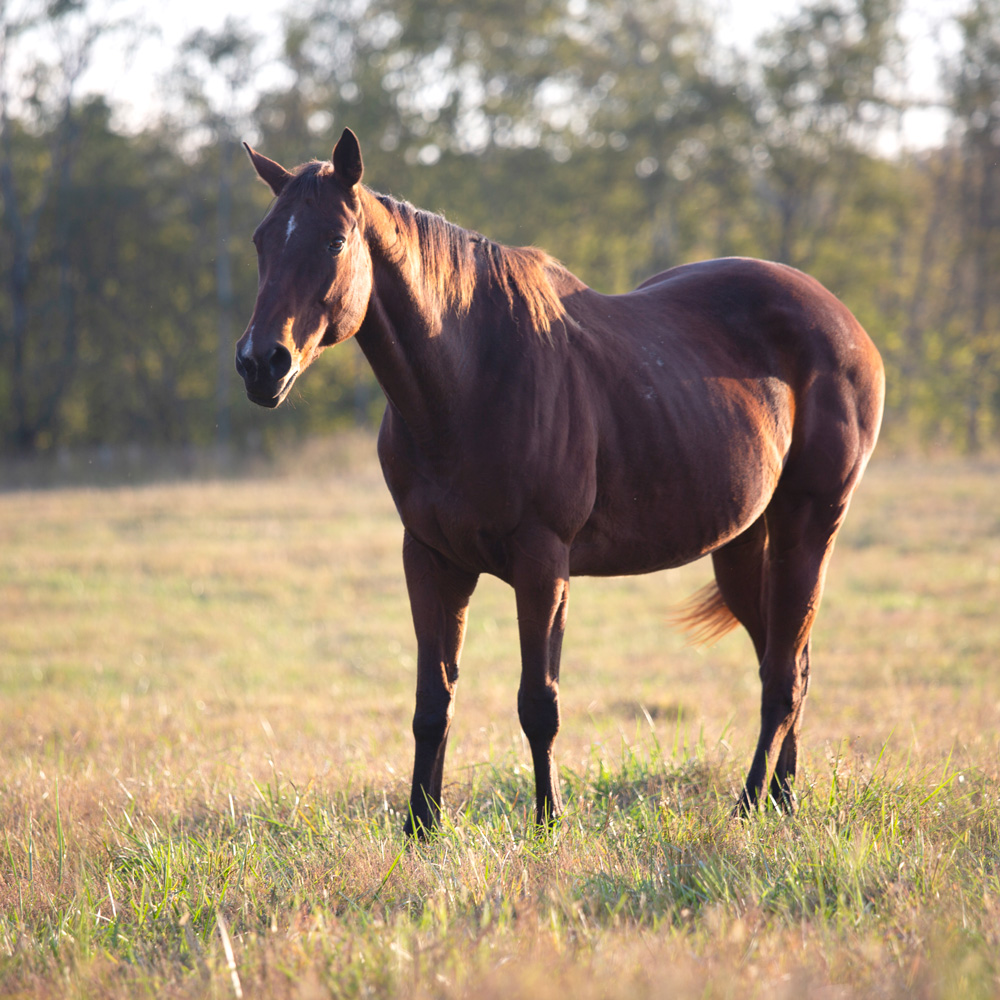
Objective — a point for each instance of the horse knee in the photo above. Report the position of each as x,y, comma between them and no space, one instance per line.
539,714
431,725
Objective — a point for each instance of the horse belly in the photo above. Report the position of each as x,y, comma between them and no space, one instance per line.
667,496
660,529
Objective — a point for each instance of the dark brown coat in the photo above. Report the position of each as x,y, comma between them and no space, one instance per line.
537,429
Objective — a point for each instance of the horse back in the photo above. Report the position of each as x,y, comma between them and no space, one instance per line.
761,324
649,428
714,385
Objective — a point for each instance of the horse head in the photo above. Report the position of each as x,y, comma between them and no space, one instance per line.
314,269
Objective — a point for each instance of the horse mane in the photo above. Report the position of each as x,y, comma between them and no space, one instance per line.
454,263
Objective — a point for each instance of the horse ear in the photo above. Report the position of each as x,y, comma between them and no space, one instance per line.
347,164
274,175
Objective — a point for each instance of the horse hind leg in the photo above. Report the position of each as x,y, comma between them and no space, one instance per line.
741,576
737,596
769,579
741,573
800,534
782,792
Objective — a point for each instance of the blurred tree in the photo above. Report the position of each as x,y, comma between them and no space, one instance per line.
970,318
616,134
216,73
45,47
454,102
826,95
653,93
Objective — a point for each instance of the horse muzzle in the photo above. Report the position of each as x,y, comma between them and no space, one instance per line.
267,380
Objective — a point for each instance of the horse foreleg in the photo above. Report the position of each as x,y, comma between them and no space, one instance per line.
439,600
541,587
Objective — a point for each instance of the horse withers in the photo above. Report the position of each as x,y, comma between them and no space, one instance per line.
536,429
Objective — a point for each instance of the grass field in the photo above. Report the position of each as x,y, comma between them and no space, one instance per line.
206,693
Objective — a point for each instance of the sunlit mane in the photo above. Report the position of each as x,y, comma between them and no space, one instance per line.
456,264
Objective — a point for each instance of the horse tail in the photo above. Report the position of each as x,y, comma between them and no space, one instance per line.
704,616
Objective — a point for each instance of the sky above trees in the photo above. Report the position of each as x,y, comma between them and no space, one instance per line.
134,71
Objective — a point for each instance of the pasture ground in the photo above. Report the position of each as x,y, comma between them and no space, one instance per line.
206,692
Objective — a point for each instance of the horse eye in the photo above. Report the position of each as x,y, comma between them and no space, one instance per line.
336,245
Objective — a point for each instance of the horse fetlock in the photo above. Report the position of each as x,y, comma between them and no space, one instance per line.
422,825
547,816
782,795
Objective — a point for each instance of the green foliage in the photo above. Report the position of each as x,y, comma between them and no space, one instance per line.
619,136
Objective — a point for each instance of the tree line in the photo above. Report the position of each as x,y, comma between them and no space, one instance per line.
620,135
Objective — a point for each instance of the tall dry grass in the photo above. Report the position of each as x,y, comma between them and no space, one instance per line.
205,749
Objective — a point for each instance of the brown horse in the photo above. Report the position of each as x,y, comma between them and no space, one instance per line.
535,429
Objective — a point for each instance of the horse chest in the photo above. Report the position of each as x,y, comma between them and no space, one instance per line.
466,519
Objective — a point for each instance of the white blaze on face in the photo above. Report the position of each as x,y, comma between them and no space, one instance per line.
290,229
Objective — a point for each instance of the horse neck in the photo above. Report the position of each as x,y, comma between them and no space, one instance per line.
418,346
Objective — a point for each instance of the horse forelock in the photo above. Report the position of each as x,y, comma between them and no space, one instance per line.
307,179
455,265
310,184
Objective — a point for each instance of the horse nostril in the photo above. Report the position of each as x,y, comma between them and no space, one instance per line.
279,364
